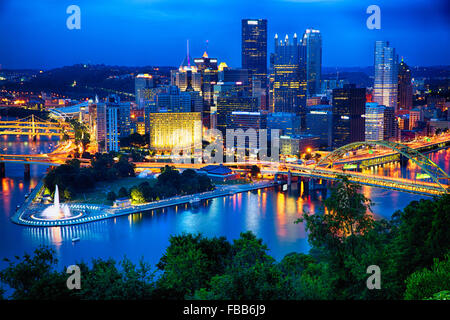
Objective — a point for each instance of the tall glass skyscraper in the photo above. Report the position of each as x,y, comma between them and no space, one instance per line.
349,105
254,48
405,89
312,40
386,79
289,87
374,121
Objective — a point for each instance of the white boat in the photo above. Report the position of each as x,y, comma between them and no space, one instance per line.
194,200
75,239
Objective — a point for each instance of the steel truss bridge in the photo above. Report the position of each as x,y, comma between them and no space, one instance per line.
328,168
34,126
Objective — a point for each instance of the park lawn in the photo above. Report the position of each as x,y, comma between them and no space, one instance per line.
98,194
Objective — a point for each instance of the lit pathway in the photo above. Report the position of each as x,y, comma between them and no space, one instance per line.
97,212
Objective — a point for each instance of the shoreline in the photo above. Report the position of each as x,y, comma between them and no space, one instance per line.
98,212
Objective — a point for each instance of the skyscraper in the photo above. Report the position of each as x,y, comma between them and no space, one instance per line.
209,74
254,48
319,121
386,80
374,121
187,77
289,87
233,101
349,104
405,91
312,41
113,122
143,85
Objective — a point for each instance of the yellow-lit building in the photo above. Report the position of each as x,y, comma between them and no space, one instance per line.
170,130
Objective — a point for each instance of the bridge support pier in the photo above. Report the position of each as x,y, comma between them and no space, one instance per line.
27,173
2,170
403,160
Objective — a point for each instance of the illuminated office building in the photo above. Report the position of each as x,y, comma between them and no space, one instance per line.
137,121
209,76
254,48
298,144
386,80
289,87
349,104
113,123
415,115
238,76
144,85
247,120
312,41
187,77
374,121
405,89
287,123
319,121
172,99
175,130
390,124
230,102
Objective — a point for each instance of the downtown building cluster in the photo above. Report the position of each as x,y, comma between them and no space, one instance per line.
290,95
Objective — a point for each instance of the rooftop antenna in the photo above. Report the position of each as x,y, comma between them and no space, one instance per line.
188,57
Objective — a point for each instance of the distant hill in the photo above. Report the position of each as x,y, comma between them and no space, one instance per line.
79,81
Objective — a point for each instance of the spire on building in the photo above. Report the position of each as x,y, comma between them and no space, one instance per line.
186,64
205,54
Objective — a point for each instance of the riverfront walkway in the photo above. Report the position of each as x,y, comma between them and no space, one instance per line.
91,213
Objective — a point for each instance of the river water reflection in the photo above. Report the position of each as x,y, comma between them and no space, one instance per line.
270,213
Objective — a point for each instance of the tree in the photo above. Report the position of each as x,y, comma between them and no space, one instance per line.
251,274
136,195
254,171
185,268
420,235
111,196
425,283
34,277
123,193
340,233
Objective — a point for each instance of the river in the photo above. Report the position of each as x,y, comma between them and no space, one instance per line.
269,213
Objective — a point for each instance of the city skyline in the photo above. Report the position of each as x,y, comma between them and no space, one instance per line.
144,27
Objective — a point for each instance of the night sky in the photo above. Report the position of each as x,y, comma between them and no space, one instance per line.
33,34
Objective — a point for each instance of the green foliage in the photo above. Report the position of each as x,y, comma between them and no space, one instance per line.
171,183
109,280
442,295
71,178
254,170
305,277
34,277
81,131
420,234
134,140
425,283
252,274
189,262
111,196
69,193
341,233
137,195
123,193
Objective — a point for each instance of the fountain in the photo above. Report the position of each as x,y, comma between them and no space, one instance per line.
56,211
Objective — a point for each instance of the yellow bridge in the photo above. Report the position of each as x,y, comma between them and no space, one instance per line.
34,126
